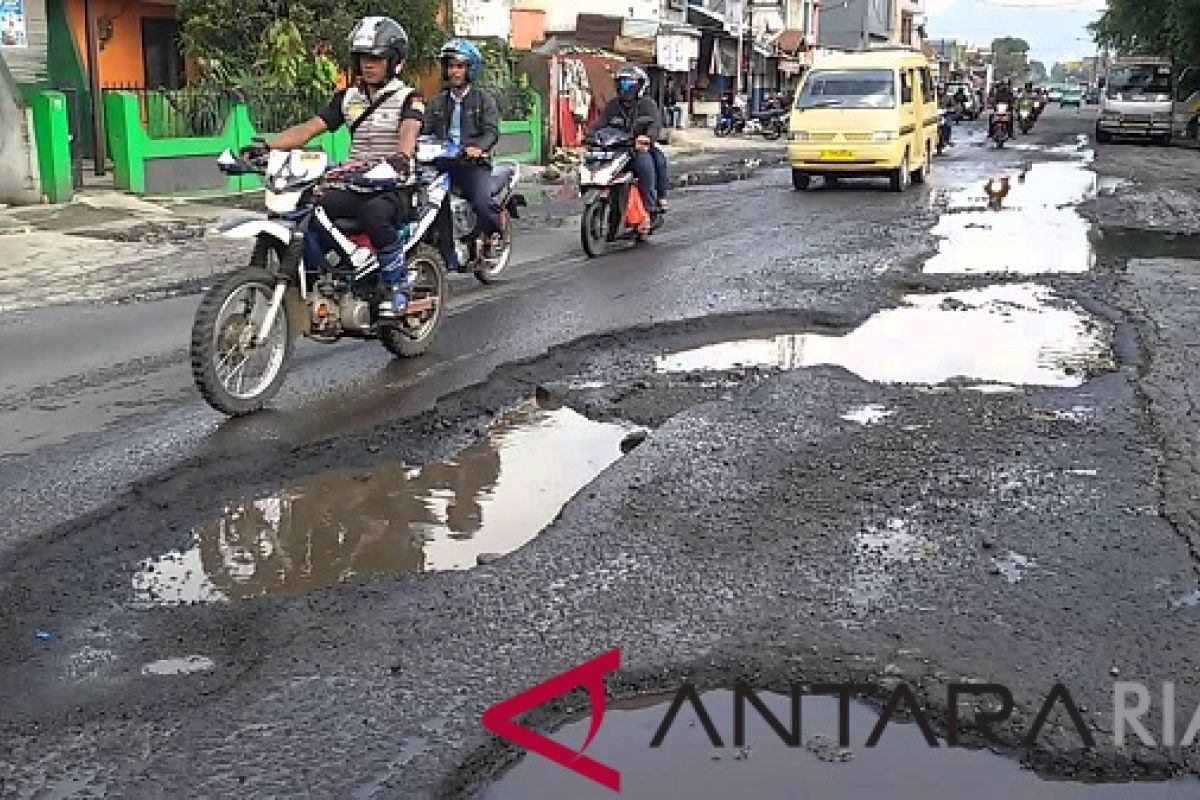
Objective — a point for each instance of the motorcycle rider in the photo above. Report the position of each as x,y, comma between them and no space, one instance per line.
632,111
469,117
385,118
1004,96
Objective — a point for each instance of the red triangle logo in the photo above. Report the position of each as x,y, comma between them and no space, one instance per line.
500,718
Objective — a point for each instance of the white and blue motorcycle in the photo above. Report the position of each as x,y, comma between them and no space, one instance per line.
318,277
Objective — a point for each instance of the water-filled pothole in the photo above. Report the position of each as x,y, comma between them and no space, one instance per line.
901,767
1035,230
493,497
1016,334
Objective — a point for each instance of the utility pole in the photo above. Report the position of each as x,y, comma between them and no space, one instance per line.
741,18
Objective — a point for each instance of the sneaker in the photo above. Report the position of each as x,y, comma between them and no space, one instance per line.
395,285
663,205
493,246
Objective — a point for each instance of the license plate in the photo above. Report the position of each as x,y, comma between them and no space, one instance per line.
837,155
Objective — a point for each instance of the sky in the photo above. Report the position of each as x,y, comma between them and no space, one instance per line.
1055,29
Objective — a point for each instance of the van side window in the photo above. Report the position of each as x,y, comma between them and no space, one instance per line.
928,91
906,86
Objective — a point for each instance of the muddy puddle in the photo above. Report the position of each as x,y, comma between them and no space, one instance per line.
1036,230
1019,334
493,497
901,767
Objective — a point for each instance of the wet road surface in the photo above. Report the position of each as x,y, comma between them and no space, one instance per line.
885,440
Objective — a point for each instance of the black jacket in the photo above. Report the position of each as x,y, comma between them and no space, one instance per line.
616,115
480,118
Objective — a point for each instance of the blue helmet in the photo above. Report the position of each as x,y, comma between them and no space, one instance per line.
462,50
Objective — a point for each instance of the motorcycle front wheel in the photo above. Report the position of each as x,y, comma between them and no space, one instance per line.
412,335
235,374
594,228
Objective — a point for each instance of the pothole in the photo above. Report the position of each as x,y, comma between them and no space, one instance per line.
1035,230
902,766
1019,334
490,499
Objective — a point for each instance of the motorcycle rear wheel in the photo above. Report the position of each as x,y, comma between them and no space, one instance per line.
222,348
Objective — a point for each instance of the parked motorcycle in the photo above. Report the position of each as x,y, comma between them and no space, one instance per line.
607,184
771,125
312,275
1001,124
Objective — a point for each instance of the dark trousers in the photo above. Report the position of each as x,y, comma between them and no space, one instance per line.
650,168
475,184
379,213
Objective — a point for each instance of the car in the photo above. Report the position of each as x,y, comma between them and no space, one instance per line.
1055,94
1071,97
864,114
1092,96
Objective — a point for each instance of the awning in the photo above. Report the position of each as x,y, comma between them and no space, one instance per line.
703,18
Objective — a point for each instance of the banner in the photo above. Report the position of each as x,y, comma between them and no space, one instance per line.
12,24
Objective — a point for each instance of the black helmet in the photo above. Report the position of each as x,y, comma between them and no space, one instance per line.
381,37
631,82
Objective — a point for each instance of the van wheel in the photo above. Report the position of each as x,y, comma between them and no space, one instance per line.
800,180
1103,137
901,176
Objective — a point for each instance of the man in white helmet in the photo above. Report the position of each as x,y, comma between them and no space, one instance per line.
385,118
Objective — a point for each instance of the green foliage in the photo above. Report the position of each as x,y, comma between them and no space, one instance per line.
1152,27
238,38
1011,57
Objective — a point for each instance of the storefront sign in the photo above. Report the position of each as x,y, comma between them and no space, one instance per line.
12,24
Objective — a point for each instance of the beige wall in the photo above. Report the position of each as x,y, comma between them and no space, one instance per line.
18,162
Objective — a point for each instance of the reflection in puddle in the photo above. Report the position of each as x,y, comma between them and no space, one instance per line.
901,767
492,498
1036,231
870,414
1013,566
1017,334
178,666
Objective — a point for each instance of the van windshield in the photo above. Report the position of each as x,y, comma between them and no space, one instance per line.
848,88
1137,79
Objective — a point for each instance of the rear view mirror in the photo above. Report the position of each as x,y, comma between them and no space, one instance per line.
227,159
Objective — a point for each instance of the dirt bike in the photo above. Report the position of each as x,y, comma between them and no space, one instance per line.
318,277
608,186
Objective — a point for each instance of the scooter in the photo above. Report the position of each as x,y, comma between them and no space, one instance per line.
1001,124
608,186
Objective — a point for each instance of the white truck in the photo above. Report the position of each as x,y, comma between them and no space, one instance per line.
1139,100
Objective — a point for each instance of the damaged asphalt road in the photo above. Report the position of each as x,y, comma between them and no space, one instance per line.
803,508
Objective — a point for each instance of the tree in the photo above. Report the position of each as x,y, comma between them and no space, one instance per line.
1011,57
1037,72
230,36
1058,73
1151,27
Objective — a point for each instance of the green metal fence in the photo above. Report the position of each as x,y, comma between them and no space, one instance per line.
159,147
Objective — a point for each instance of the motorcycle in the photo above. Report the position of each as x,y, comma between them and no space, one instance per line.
1001,124
771,125
1025,115
607,185
315,276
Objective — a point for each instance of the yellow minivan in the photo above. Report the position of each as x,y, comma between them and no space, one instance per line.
864,113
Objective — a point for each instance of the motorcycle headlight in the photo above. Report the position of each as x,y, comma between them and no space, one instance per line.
883,136
798,136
